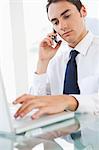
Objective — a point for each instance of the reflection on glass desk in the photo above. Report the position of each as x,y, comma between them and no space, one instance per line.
79,133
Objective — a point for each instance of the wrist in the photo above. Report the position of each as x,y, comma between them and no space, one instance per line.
42,66
73,103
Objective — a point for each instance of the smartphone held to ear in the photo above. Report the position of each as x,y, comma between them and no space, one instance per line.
54,38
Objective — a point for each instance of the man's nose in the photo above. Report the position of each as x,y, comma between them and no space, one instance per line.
63,25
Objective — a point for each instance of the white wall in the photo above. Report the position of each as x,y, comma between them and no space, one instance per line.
19,46
6,51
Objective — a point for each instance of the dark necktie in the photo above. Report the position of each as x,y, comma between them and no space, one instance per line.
70,82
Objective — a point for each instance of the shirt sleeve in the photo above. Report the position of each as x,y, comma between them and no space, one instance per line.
88,103
40,85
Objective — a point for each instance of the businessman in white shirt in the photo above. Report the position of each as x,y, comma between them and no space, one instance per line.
50,93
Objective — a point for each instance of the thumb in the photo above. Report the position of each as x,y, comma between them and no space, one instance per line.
39,113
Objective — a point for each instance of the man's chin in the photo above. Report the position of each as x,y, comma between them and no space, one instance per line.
69,40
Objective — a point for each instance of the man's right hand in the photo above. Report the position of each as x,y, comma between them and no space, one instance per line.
47,50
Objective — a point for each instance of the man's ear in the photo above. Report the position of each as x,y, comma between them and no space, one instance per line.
83,11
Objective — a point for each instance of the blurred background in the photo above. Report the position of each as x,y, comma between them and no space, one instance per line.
23,23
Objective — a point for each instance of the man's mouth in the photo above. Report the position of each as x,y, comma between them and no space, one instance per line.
66,33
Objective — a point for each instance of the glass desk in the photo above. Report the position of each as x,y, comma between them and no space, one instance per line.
79,133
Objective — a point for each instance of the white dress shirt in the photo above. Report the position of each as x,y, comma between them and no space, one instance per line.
52,82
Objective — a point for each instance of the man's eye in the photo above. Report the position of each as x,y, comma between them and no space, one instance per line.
66,16
55,23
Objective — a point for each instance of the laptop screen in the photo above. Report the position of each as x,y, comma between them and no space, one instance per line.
5,119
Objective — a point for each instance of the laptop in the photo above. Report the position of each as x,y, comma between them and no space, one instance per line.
8,124
68,126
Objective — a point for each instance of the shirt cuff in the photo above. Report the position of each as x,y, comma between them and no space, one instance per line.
86,103
39,78
39,84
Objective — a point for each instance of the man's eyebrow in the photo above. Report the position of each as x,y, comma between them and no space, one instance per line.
60,14
64,12
53,19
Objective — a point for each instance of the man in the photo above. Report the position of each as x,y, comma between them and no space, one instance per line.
51,79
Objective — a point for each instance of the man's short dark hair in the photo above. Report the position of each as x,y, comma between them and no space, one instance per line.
77,3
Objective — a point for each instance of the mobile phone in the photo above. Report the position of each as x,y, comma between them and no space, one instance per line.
55,37
54,31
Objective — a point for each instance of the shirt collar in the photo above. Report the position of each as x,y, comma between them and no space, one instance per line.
83,45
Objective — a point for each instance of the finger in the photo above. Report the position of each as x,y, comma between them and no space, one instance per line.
24,98
58,45
52,34
27,107
39,113
24,106
33,104
46,42
23,112
50,38
14,102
